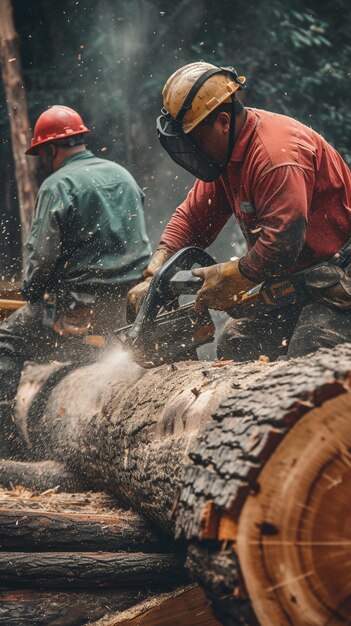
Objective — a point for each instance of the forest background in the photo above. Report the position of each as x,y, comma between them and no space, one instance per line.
109,60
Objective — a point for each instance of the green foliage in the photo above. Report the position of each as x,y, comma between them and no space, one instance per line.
110,59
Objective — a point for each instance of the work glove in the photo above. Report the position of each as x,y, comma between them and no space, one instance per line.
137,294
223,285
77,323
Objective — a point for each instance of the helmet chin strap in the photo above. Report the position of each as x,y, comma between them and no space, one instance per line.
231,138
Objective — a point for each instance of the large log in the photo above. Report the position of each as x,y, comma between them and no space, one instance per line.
267,493
188,445
124,429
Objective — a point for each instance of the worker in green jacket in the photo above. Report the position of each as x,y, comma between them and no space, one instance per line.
87,247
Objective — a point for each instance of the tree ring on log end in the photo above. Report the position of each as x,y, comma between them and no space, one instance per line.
294,535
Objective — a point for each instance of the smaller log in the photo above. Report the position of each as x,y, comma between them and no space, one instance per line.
38,476
187,606
82,522
111,531
6,304
65,608
55,500
90,569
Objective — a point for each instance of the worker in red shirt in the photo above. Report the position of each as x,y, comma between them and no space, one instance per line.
290,192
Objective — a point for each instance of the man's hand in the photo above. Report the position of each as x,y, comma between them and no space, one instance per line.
77,322
137,294
223,284
136,298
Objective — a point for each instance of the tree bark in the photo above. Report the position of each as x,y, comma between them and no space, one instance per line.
127,430
18,115
186,445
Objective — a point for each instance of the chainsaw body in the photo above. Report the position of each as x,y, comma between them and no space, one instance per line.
165,331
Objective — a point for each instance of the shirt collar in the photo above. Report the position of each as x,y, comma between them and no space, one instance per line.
84,154
244,137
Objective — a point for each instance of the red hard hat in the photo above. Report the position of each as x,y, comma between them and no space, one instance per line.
58,122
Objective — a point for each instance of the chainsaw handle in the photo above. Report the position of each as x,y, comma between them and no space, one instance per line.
160,291
185,283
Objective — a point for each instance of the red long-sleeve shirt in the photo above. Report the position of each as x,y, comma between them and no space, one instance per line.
289,190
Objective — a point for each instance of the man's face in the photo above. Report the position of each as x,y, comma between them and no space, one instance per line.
212,139
45,157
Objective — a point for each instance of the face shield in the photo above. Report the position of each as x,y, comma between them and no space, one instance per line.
184,151
180,146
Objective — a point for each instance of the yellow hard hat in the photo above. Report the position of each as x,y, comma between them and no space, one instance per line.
213,86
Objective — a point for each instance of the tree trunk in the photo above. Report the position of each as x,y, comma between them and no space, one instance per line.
188,445
18,114
264,501
124,429
310,468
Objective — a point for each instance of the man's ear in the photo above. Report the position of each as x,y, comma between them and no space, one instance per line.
224,120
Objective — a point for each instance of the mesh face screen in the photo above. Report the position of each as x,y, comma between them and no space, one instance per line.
184,151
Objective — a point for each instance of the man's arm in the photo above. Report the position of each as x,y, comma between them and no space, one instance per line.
196,222
43,247
282,199
199,219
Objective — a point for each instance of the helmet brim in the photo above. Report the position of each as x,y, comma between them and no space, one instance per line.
34,150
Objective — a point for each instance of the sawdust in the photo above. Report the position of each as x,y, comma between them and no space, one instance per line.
53,500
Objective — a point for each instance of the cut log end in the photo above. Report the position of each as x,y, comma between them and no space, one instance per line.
294,536
269,524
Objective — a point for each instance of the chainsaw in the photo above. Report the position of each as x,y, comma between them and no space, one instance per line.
281,291
164,330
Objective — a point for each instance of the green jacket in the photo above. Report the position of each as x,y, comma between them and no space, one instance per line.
88,231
